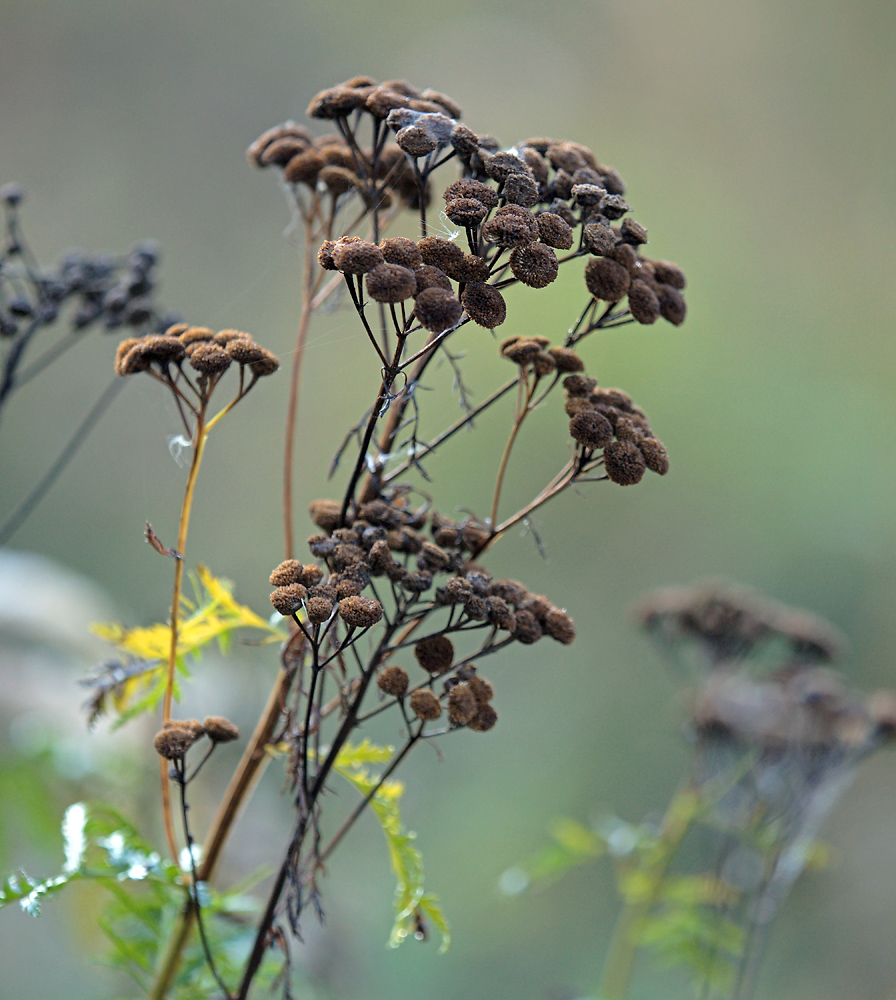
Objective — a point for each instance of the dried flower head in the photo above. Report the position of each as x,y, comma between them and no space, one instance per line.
173,742
435,653
360,612
425,705
484,304
220,730
393,680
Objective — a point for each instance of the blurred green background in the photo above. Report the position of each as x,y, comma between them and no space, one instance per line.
757,142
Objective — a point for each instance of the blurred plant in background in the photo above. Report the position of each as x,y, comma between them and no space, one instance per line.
776,738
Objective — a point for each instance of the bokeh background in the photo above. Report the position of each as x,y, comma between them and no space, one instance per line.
757,142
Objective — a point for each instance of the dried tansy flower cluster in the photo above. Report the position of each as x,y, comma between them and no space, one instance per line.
397,600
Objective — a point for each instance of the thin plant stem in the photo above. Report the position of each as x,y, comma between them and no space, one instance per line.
620,961
295,375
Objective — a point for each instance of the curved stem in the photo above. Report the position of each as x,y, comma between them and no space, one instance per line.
200,437
308,263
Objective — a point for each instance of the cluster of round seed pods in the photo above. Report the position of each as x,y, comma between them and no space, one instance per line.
206,352
177,735
608,419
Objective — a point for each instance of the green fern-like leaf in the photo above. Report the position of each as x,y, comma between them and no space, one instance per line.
415,910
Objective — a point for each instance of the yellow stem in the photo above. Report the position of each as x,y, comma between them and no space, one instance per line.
200,437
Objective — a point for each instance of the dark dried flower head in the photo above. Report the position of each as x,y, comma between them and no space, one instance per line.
121,353
467,212
286,130
220,730
416,141
598,238
669,274
319,608
440,253
267,364
554,231
432,277
398,250
391,283
288,599
500,613
482,690
484,719
558,625
462,704
325,513
335,102
528,628
503,165
281,151
354,256
607,280
484,304
193,725
472,268
437,309
425,705
565,156
511,226
304,168
591,429
672,304
624,463
338,180
534,265
360,612
244,350
435,653
655,455
566,360
289,571
173,742
633,232
614,206
393,680
643,302
520,189
209,358
472,189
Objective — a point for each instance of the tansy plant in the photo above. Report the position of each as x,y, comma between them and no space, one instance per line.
390,605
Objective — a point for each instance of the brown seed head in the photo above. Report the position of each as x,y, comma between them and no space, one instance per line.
209,358
475,190
393,680
509,228
462,704
391,283
435,653
528,628
558,625
534,265
624,463
566,360
482,691
554,231
606,280
289,571
655,455
669,274
437,309
281,151
354,256
599,239
220,730
432,277
338,180
643,302
440,253
325,513
467,212
319,608
398,250
304,168
360,612
416,141
283,131
484,719
425,705
267,364
521,189
244,350
484,304
633,232
173,742
288,599
591,429
672,304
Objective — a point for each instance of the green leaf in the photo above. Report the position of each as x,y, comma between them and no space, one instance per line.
573,845
415,909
